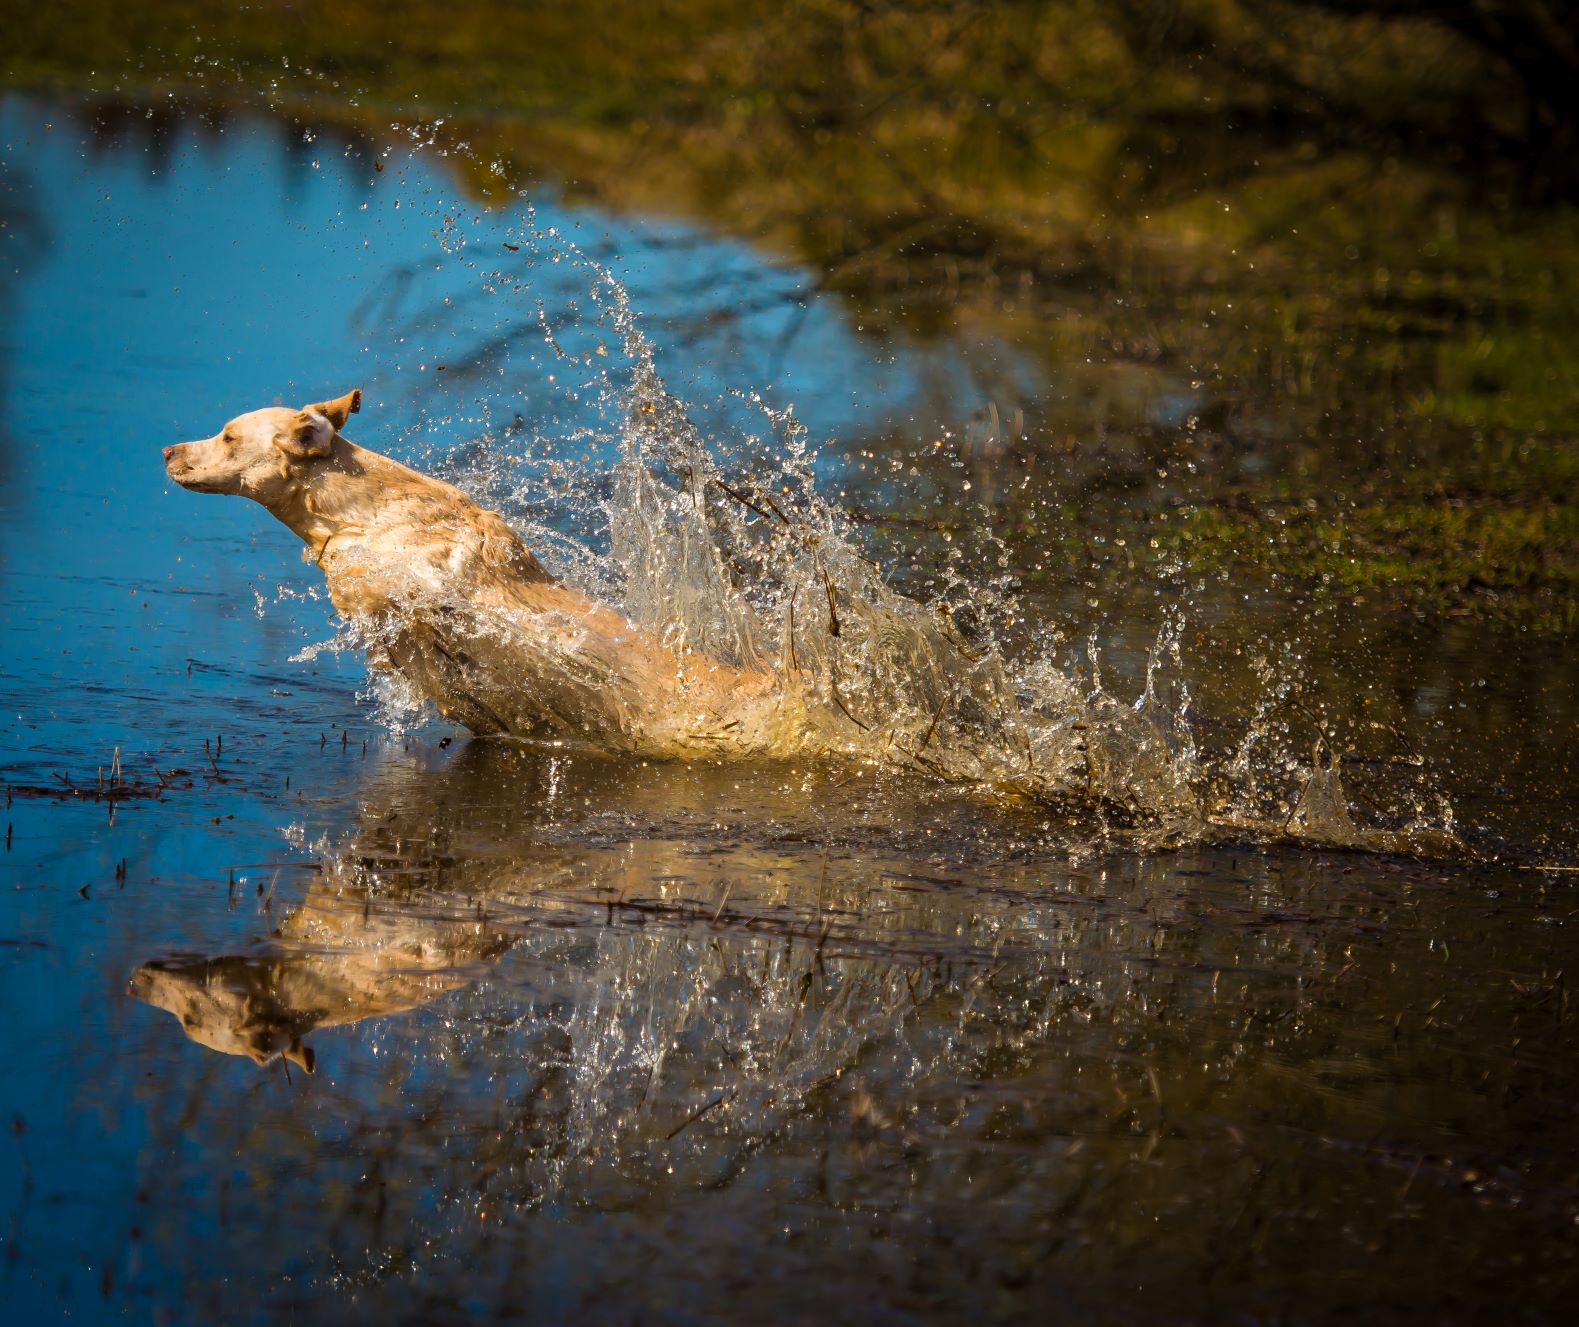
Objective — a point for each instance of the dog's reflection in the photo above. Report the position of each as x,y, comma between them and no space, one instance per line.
236,1004
397,914
694,890
264,1005
377,932
336,965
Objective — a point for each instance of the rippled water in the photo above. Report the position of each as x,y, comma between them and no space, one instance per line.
617,1038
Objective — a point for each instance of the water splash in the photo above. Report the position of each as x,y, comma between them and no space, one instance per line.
724,545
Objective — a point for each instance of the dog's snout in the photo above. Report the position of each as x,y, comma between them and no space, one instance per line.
169,451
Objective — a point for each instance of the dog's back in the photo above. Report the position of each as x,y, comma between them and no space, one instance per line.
461,608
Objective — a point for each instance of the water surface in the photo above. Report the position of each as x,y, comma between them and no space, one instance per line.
617,1040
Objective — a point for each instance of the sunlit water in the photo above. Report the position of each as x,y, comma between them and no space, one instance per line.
904,1033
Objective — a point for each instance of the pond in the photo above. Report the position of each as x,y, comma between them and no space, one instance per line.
319,1008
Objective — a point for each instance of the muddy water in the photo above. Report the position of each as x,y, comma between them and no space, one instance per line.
622,1040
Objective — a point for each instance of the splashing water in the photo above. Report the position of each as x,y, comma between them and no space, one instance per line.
731,552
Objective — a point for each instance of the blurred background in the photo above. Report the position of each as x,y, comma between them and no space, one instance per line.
1314,258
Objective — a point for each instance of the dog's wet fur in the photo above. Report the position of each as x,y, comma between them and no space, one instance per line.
451,598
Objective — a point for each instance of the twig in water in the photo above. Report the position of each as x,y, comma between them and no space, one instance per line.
833,690
833,613
932,727
1403,1192
789,641
695,1115
952,634
744,501
822,941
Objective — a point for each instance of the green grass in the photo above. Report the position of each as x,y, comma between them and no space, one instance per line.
1517,563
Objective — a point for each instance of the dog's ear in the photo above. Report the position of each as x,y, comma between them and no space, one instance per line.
341,408
307,435
297,1053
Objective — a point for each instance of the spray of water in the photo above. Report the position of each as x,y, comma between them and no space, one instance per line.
725,549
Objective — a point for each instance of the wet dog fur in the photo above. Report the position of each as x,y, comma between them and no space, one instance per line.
457,603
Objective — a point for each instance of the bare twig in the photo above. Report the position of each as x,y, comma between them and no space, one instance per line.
695,1115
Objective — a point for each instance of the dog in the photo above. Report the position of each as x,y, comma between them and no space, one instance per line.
448,595
331,965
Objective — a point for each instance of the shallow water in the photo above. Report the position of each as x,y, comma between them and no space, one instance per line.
619,1039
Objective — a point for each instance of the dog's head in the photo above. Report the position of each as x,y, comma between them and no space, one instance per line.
256,453
229,1004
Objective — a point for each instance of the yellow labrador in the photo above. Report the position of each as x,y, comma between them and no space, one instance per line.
451,598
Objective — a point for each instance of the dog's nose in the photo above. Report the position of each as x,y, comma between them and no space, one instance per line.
169,451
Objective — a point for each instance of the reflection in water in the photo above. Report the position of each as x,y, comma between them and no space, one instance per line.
262,1006
419,899
604,1004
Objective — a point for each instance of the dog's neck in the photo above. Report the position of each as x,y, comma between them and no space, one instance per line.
319,505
